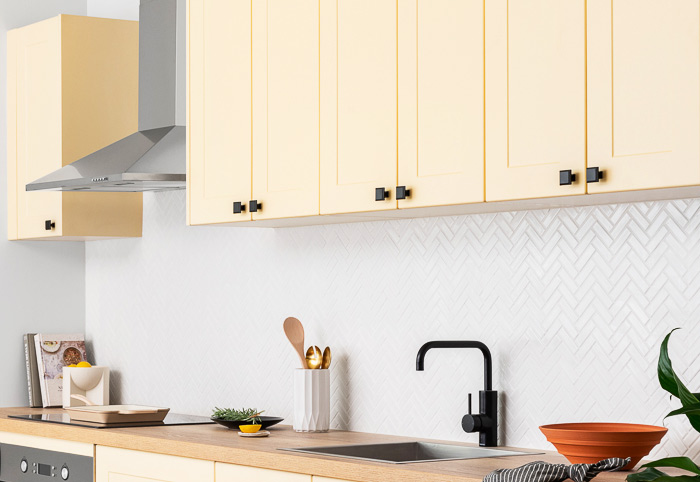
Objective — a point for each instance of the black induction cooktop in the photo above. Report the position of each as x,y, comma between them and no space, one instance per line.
63,418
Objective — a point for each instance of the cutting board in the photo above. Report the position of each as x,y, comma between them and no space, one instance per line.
107,414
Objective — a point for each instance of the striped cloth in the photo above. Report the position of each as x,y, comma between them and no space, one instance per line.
544,472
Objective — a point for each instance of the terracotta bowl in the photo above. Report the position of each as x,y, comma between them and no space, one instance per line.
587,443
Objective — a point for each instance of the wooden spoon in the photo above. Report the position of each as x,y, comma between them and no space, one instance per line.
295,334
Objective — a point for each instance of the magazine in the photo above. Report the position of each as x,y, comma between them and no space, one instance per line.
53,352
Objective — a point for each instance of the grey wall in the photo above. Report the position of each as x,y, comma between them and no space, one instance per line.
42,284
123,9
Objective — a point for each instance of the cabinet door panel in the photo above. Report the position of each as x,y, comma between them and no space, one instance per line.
239,473
219,168
38,101
119,465
441,101
358,104
535,97
644,93
286,107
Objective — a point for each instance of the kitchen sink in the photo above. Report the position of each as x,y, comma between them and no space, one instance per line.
407,452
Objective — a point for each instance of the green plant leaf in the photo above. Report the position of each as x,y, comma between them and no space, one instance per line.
648,474
677,462
693,409
671,383
653,475
667,378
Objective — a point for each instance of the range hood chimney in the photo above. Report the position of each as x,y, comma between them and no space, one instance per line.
152,159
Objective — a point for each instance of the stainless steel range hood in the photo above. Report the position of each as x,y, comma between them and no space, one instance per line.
152,159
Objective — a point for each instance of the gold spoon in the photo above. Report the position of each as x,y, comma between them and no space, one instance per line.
314,359
326,358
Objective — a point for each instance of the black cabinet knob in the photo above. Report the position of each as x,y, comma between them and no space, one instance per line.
594,174
49,225
380,194
255,206
402,192
238,208
566,178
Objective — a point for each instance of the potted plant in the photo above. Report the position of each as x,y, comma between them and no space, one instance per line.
691,408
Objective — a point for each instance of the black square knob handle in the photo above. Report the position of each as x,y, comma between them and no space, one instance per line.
402,192
255,206
49,225
594,174
238,208
566,178
380,194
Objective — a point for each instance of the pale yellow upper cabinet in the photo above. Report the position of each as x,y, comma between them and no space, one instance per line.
239,473
285,108
643,93
219,110
535,97
358,104
72,89
441,101
119,465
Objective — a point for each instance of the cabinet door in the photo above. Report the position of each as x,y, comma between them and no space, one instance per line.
643,93
535,97
441,101
118,465
219,154
358,104
239,473
38,120
285,108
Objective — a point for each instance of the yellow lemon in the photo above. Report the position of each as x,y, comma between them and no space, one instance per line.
72,366
250,428
84,364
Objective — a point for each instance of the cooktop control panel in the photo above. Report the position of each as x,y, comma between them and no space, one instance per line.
25,464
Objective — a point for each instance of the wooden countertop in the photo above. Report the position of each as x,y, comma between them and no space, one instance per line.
213,442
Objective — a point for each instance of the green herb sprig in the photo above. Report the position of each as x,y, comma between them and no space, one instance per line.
251,415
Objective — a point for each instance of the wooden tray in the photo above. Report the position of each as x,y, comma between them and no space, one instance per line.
107,414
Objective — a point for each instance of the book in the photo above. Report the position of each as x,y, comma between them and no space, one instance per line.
33,385
53,352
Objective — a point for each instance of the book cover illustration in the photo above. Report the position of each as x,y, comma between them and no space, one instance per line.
53,353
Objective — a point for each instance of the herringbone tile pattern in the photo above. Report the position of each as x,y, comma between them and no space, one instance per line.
573,303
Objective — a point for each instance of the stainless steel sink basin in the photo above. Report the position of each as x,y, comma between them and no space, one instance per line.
408,452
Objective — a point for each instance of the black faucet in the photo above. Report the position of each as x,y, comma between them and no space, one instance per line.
486,421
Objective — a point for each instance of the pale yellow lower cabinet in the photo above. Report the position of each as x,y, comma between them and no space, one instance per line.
119,465
326,479
44,443
239,473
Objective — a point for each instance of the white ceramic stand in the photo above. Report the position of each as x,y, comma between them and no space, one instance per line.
312,400
92,383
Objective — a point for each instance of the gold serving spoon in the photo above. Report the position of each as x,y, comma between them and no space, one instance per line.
326,358
314,359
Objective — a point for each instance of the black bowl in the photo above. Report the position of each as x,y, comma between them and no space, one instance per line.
264,421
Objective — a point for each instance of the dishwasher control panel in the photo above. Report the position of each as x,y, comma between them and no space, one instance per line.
25,464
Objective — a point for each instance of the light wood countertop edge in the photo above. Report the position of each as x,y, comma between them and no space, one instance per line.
201,442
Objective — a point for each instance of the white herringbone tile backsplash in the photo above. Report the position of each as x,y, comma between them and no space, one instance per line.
573,303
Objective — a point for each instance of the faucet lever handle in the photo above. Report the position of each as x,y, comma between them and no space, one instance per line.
470,403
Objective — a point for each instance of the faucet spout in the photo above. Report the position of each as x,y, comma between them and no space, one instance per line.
488,370
486,421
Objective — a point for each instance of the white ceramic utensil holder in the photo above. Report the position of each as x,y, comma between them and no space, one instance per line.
89,382
312,400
